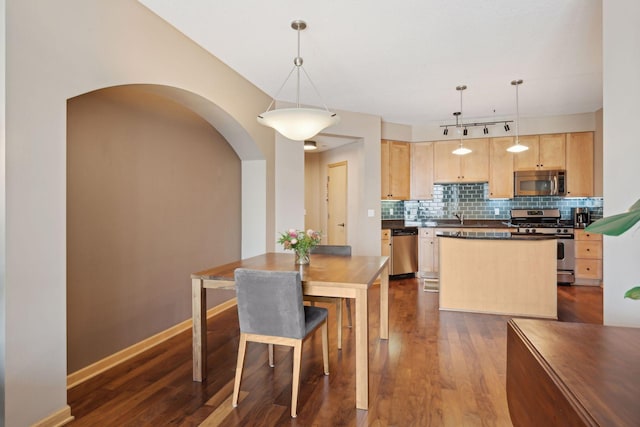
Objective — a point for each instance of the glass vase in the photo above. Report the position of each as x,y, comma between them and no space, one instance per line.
302,256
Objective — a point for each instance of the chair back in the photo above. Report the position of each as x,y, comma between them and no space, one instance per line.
342,250
270,303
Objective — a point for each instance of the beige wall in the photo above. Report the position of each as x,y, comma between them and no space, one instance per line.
56,51
153,194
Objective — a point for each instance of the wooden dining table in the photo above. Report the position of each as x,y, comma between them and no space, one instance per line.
326,275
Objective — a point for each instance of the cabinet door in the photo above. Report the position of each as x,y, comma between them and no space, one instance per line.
589,269
530,159
399,170
385,243
422,171
426,253
500,168
446,164
580,164
474,167
384,169
552,151
588,249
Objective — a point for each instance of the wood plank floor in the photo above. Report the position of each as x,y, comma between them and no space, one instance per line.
436,369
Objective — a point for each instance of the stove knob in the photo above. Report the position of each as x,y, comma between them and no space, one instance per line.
559,230
533,230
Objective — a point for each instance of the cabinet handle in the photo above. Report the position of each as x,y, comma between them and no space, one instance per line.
588,269
588,250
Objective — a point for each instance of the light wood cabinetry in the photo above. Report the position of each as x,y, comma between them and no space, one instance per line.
588,253
385,242
427,253
579,160
546,152
472,167
395,170
500,168
422,171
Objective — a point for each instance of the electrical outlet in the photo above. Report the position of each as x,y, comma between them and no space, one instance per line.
496,211
371,213
391,211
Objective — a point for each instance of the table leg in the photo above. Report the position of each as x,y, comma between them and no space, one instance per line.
362,349
199,318
384,303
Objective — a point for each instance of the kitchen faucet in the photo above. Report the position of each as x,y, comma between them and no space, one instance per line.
460,216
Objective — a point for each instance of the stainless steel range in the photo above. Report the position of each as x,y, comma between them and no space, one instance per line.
531,222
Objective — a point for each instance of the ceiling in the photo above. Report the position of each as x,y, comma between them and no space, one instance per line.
403,59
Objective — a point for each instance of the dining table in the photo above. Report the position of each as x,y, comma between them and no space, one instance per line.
325,275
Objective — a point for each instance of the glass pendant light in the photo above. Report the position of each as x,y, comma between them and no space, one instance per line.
461,150
517,147
298,123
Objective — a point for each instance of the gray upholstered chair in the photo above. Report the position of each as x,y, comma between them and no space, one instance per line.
342,250
271,311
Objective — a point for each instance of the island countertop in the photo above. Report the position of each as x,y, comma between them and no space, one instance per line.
493,235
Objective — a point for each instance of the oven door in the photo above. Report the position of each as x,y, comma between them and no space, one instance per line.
566,259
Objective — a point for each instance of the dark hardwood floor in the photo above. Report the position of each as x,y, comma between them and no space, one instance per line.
436,369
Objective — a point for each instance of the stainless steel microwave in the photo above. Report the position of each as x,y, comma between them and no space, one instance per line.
539,183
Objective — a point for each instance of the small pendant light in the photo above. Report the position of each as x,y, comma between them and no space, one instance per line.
461,150
517,147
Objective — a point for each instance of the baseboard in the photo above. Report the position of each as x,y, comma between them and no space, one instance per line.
108,362
58,418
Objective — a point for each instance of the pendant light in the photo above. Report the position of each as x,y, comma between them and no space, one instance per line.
517,147
298,123
461,150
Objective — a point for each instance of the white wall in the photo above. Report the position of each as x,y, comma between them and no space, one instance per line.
621,38
82,47
3,235
397,132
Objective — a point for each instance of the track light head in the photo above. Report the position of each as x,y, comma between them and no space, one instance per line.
446,131
464,132
506,127
485,131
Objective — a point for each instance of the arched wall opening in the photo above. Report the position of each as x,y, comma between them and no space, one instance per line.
153,194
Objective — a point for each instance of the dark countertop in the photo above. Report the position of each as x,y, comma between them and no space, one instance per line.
498,235
444,223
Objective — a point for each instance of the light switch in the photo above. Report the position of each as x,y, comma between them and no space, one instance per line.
391,211
371,213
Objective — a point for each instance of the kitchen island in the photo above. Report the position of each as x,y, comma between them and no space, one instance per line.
498,274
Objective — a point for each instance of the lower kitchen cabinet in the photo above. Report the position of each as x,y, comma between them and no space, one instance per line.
385,242
427,253
588,252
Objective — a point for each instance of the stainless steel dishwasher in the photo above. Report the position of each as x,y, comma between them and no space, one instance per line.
404,250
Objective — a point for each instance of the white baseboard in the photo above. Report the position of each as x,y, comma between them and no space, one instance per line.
58,418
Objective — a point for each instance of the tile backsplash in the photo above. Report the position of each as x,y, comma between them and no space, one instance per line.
473,201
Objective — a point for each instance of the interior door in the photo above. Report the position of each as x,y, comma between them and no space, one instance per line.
337,204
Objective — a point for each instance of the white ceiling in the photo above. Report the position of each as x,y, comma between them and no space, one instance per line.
402,59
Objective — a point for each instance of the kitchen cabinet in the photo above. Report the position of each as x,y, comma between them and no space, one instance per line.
422,171
395,170
588,253
472,167
500,168
385,242
579,160
546,152
427,253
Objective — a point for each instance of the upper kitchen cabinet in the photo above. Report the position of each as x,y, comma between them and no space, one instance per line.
395,170
422,171
580,164
472,167
546,152
500,168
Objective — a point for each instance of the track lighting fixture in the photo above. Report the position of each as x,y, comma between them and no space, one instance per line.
506,127
485,131
446,131
464,132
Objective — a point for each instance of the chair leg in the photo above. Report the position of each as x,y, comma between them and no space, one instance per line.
295,385
339,321
239,366
325,347
271,363
348,302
